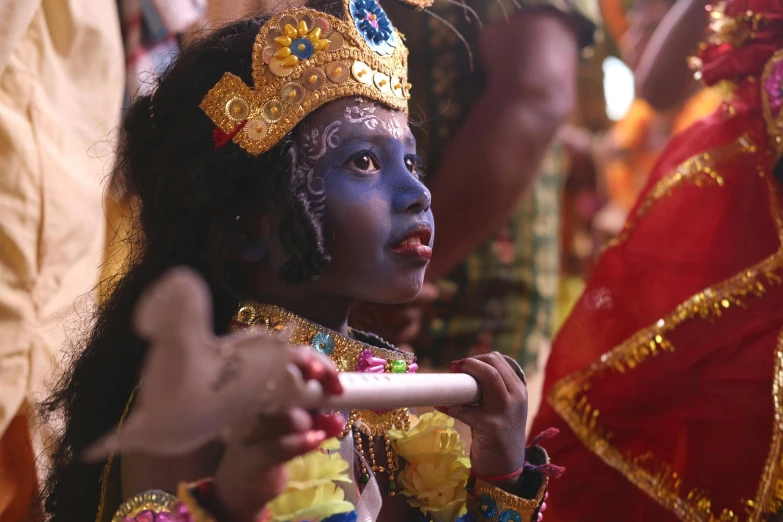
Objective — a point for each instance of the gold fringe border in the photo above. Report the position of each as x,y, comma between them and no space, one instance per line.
698,170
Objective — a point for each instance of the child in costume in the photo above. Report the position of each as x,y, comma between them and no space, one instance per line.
275,159
666,377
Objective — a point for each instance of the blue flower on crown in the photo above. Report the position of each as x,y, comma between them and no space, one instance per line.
374,25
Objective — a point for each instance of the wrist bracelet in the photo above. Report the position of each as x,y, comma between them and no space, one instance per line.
499,478
488,503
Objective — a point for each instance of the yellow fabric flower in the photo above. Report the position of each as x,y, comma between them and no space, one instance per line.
436,469
314,503
332,444
312,492
316,468
433,434
437,485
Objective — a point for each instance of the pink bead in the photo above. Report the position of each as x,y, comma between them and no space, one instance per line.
183,515
546,495
543,507
413,367
145,516
540,517
369,363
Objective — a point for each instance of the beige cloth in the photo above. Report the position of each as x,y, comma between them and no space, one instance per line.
61,85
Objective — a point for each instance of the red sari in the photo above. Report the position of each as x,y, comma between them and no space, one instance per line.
667,379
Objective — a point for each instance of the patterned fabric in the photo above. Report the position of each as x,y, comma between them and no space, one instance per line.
502,297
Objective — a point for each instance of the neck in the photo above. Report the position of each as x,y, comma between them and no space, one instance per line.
327,310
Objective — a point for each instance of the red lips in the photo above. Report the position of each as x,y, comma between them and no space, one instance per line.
416,243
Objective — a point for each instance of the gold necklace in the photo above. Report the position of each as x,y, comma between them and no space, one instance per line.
348,355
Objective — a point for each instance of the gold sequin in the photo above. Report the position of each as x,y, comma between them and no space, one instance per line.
273,111
324,25
336,42
271,36
338,72
382,82
267,54
314,78
291,93
361,72
288,23
237,109
256,129
396,85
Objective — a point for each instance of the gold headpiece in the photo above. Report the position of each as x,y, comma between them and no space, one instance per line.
303,59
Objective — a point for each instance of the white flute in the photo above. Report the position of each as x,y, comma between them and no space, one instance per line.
379,391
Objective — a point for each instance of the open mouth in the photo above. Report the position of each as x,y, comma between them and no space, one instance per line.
416,243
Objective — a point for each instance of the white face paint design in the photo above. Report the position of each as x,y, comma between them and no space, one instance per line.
317,141
364,113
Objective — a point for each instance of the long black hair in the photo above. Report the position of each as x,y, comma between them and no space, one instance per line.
194,205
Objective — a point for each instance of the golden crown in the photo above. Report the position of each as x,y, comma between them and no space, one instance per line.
303,59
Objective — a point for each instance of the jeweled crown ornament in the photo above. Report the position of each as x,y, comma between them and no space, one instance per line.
303,59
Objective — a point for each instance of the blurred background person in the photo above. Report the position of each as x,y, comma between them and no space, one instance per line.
61,82
494,175
626,154
612,165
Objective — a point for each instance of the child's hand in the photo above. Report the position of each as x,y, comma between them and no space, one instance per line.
498,423
252,471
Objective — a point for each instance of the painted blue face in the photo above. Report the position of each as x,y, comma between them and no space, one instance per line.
378,226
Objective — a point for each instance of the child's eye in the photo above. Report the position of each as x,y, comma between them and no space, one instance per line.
410,163
415,165
364,162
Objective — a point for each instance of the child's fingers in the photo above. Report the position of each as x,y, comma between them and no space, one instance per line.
493,389
333,425
317,367
295,420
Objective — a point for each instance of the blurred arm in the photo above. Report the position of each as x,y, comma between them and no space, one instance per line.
531,64
663,77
